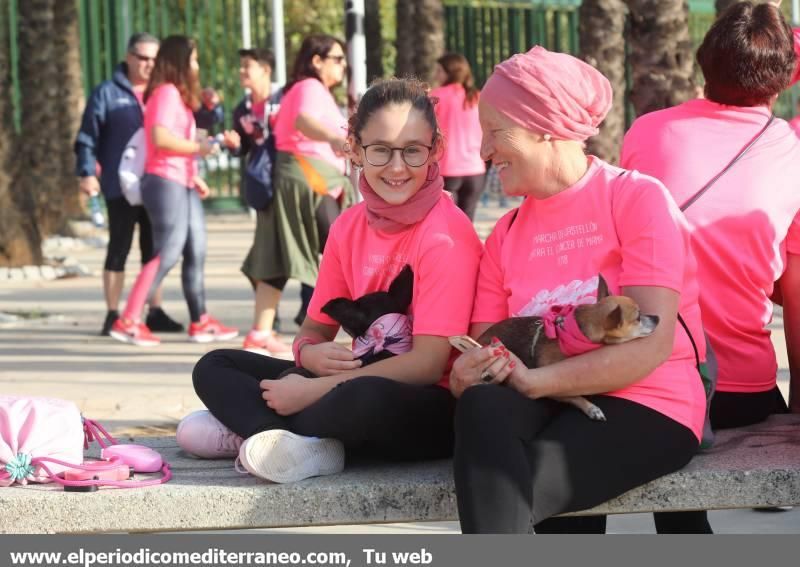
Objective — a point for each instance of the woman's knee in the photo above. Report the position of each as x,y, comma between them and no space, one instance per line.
209,367
481,408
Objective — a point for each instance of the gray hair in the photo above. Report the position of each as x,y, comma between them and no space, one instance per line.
141,37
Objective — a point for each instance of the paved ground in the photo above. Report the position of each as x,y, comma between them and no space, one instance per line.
58,353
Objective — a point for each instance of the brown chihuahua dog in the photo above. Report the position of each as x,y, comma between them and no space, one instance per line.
571,330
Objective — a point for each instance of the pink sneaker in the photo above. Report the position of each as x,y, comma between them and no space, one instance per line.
202,435
208,330
266,343
134,333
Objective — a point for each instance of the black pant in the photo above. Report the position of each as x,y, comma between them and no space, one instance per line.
466,191
122,219
370,415
520,461
728,409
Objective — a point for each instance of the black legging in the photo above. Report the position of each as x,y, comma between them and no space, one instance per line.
466,191
369,415
519,461
728,409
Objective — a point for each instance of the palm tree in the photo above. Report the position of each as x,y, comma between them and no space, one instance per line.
722,5
602,41
70,97
374,37
661,56
420,37
20,243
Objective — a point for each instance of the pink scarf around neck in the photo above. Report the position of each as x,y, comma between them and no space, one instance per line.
395,218
560,323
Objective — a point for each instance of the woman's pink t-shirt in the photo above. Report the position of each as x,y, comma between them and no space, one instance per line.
166,108
462,132
622,225
741,227
310,97
443,250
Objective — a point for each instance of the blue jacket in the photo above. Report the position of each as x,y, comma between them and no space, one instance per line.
111,117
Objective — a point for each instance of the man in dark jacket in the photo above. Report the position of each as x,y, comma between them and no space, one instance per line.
113,114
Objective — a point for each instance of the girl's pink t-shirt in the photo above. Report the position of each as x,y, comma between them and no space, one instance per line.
462,132
310,97
741,228
622,225
443,250
166,108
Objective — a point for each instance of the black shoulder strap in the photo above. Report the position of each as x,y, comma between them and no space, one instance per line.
744,150
691,339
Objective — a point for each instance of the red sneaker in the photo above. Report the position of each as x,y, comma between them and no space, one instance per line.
134,333
208,330
266,343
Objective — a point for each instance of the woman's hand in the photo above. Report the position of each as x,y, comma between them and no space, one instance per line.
231,139
205,147
327,359
201,187
339,146
486,365
291,394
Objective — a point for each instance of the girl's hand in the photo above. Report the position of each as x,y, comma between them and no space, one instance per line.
201,187
205,147
231,139
485,365
326,359
291,394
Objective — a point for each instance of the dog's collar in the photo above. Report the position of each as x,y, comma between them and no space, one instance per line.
559,323
391,332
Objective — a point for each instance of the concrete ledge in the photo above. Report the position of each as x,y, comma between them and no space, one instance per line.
757,466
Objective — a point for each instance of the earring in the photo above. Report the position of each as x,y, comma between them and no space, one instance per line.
547,137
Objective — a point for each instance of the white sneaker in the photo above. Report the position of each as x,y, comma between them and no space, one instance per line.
202,435
282,456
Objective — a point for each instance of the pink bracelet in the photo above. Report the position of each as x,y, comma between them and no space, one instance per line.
298,345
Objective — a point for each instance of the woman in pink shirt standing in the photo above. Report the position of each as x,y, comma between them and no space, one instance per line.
310,186
457,112
172,194
521,457
745,229
398,408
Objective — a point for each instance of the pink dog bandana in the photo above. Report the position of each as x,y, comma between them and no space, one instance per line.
550,93
391,332
560,323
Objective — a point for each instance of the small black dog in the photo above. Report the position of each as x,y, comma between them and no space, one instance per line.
357,316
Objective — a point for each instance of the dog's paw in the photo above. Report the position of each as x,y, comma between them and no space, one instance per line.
595,413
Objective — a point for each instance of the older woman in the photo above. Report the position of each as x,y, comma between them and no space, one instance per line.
520,457
745,229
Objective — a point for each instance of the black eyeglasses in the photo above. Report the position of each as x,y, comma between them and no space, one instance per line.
143,58
414,155
337,58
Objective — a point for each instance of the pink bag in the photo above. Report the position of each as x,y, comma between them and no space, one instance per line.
43,439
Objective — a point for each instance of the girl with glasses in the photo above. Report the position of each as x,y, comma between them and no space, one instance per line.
399,408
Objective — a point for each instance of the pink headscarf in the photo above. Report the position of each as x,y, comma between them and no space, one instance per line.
394,218
551,93
560,323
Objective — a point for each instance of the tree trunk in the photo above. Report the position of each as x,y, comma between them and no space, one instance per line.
420,37
20,243
372,31
40,157
660,54
602,41
71,98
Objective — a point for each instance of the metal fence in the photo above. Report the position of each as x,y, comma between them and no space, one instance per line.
487,32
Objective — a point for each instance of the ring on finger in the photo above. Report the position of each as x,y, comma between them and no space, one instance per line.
486,376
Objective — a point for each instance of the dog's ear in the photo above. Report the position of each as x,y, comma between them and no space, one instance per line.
602,287
614,318
402,287
348,315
